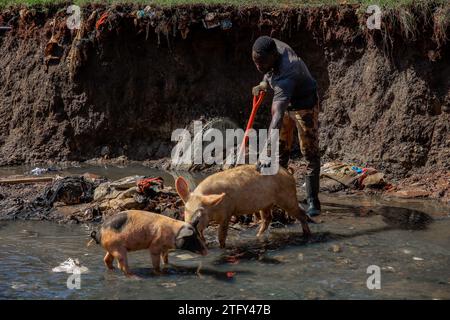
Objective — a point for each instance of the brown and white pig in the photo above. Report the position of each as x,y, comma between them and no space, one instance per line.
239,191
134,230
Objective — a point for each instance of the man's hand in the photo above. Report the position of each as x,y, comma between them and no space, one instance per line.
262,86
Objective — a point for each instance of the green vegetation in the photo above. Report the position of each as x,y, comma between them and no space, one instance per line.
278,3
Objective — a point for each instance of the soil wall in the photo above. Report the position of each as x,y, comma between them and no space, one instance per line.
122,88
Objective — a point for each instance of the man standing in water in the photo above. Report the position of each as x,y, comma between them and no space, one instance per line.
295,102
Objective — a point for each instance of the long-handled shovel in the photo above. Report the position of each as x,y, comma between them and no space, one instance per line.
257,100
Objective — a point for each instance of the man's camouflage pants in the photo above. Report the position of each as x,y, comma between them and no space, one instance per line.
307,123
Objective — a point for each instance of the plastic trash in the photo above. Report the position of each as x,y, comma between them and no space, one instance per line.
140,14
211,21
232,260
38,171
357,170
335,248
226,24
71,266
168,284
185,256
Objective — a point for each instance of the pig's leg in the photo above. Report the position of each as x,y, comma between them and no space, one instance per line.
200,233
156,261
266,217
123,262
294,211
223,230
165,257
305,227
108,260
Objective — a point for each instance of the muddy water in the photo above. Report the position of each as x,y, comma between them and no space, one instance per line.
408,241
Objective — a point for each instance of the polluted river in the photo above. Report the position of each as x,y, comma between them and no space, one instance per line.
363,247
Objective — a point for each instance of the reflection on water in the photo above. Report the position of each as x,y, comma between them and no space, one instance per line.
281,266
410,242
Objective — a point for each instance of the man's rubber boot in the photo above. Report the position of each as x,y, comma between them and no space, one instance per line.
312,198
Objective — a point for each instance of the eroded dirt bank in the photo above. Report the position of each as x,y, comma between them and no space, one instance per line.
122,88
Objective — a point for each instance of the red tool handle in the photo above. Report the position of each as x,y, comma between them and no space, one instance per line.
256,104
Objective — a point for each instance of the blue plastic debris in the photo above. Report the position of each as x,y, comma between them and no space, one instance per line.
226,24
140,14
357,170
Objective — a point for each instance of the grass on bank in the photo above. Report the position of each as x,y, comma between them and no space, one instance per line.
381,3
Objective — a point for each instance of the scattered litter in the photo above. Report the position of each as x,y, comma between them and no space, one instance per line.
300,256
101,21
230,274
138,193
388,268
211,21
126,183
343,175
150,186
226,24
140,14
407,251
335,248
30,234
281,258
232,259
146,12
209,25
38,171
373,180
185,256
357,170
71,266
69,190
341,260
417,259
168,284
18,286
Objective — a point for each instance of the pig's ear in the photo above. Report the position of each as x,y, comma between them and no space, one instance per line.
184,232
213,199
182,189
